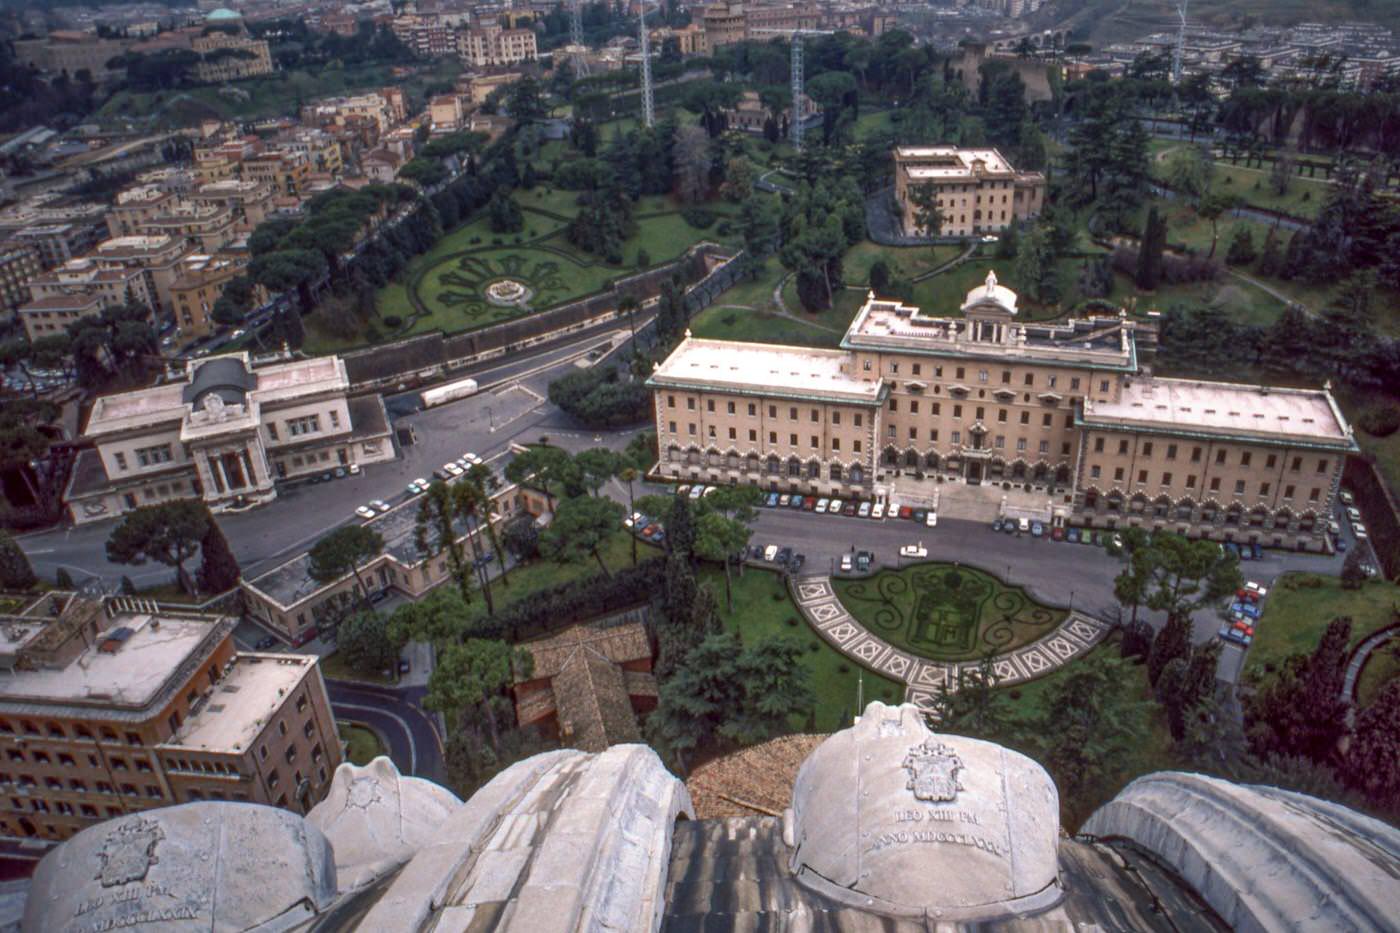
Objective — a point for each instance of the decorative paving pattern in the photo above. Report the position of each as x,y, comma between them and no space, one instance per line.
924,679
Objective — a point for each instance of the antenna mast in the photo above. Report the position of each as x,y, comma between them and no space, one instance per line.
648,108
795,130
1179,52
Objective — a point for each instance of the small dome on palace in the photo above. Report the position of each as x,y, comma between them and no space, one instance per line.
222,15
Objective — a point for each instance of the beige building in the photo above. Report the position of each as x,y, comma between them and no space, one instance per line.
248,201
200,283
285,172
479,87
1062,418
156,256
446,112
724,24
492,46
227,433
977,190
230,58
297,607
207,227
135,207
119,706
80,288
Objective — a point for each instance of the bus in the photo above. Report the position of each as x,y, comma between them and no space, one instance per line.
449,392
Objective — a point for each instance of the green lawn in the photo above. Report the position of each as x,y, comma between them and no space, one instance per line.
764,609
362,745
943,295
845,303
728,322
946,613
1381,669
756,292
333,667
905,261
1299,607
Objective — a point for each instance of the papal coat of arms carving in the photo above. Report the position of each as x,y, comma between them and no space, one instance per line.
933,771
129,851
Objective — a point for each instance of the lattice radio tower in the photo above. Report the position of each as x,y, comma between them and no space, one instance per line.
1179,53
576,22
648,105
795,125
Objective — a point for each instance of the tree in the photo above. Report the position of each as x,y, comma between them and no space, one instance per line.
703,693
1270,257
1212,207
775,691
524,101
168,533
342,552
473,677
692,159
581,525
1130,586
1372,762
1353,575
599,464
1241,251
1150,250
505,214
928,216
218,568
522,538
738,180
975,706
547,468
1088,726
1281,174
1300,711
680,528
1189,171
435,532
1186,574
439,619
1036,269
719,539
1185,683
363,640
1173,643
16,575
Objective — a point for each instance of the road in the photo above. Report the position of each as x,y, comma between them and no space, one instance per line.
398,717
512,408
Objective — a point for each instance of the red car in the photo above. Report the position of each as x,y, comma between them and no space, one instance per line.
809,503
649,530
906,511
1057,533
1248,596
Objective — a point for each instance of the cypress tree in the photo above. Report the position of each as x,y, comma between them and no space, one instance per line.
1172,642
15,571
218,568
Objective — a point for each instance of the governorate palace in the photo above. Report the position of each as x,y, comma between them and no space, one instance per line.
1060,420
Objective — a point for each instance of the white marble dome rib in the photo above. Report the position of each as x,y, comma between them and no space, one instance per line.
1263,858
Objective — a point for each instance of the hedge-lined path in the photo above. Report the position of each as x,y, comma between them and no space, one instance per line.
923,678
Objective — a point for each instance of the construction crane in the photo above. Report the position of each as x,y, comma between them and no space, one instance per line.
1179,53
648,104
796,36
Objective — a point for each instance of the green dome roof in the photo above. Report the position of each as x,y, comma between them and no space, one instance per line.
222,14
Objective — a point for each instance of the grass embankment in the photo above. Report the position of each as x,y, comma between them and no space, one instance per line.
362,745
1297,612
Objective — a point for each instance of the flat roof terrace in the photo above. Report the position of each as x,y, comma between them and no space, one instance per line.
1246,412
247,696
765,370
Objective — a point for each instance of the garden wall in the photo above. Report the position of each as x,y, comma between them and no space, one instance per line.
1379,510
412,362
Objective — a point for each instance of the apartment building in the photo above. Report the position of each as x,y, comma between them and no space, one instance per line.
286,172
226,432
207,227
157,257
445,112
117,706
318,149
248,201
200,283
57,243
492,46
479,87
18,264
1063,413
58,227
80,288
136,206
977,190
297,607
724,24
224,57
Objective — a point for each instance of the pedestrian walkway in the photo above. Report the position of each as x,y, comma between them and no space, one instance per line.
925,679
1359,657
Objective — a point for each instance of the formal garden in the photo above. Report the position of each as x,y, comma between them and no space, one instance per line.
946,612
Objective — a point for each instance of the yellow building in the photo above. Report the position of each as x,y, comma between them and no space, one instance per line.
977,190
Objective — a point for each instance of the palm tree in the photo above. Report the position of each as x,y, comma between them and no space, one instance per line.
479,479
629,475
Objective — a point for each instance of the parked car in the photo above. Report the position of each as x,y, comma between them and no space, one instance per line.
1238,636
1072,535
849,509
471,458
878,510
1258,589
416,487
1009,526
1037,529
1057,533
996,523
783,500
784,556
864,510
683,490
1353,513
906,511
847,563
1023,525
379,505
809,504
772,500
452,469
1232,549
265,643
931,519
365,511
770,552
863,559
1360,532
1246,553
353,469
919,516
1116,541
1346,497
1249,610
1341,545
1334,526
697,491
656,535
631,520
822,504
834,508
916,551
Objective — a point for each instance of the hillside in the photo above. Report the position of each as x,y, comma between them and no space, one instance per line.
1104,21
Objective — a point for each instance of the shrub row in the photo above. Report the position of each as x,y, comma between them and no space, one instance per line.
567,604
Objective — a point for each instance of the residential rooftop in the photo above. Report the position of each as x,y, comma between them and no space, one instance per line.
1306,416
948,162
765,369
248,694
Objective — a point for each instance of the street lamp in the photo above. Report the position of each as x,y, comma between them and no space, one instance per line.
491,416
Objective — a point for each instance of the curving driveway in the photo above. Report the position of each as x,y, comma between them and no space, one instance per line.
414,744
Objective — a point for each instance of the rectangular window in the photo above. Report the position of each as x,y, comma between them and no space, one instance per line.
1190,480
335,418
957,411
836,417
121,460
1288,492
960,372
933,435
1166,479
1044,447
1103,385
1122,447
894,367
152,456
690,427
981,375
816,442
772,411
855,446
1215,484
981,412
1313,496
1025,417
858,419
729,407
816,415
309,424
1074,384
792,440
272,430
1006,377
1322,466
1171,451
732,434
918,369
753,409
957,437
1001,415
670,401
1098,445
1142,476
836,443
1219,457
1030,379
894,404
913,406
1147,449
690,403
1118,475
792,413
671,427
1239,487
1045,420
1263,489
913,433
710,405
1195,455
935,408
753,436
772,437
1271,461
1245,457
